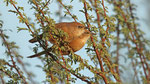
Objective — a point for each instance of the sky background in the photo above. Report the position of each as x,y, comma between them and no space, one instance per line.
21,38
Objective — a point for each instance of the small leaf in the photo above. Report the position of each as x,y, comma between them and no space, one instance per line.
19,29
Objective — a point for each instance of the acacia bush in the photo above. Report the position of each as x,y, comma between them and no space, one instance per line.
118,37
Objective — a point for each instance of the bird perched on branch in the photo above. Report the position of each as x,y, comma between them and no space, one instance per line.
78,34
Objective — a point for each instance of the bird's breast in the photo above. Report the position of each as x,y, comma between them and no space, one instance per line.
77,44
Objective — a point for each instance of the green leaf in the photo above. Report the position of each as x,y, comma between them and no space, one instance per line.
19,29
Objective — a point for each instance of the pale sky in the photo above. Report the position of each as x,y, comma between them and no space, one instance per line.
21,38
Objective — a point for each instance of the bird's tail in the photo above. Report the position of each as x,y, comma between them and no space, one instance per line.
37,55
33,40
40,53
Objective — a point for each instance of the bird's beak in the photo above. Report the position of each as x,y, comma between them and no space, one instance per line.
93,33
86,28
90,32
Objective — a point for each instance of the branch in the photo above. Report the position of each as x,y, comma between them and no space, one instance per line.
134,41
10,53
2,80
82,78
46,4
94,46
67,10
137,35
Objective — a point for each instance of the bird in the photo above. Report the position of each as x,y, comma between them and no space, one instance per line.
73,29
78,35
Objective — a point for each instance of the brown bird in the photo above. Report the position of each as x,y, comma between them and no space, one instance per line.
77,37
73,29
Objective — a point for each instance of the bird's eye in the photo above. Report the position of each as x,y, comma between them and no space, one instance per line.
80,26
87,32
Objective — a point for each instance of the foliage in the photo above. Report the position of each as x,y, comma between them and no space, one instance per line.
118,30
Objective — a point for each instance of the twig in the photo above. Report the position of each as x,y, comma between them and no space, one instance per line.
134,69
98,15
134,41
82,78
6,73
103,39
67,10
136,33
2,80
24,68
12,60
51,35
94,46
21,16
45,4
118,44
51,55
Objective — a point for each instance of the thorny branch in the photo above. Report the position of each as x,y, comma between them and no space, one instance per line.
94,46
2,80
12,59
82,78
140,52
51,35
67,10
